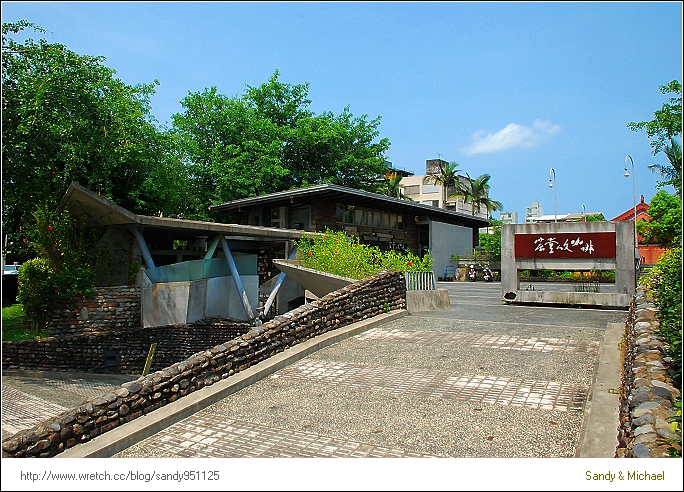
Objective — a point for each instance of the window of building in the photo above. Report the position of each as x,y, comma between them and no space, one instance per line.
412,190
363,217
431,188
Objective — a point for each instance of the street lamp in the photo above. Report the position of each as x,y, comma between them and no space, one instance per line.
552,184
637,256
584,219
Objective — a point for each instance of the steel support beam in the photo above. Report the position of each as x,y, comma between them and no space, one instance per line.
236,278
147,257
212,247
278,283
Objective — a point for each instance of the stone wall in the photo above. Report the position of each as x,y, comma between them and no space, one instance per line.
111,309
647,388
364,299
118,351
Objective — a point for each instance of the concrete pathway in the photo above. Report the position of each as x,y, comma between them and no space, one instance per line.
483,379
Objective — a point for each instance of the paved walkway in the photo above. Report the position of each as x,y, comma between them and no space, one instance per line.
483,379
29,397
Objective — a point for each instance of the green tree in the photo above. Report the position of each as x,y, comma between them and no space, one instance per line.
668,119
594,218
476,192
69,255
490,242
392,186
268,140
66,117
671,172
663,129
447,178
665,226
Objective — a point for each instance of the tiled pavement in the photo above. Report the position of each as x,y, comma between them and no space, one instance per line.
30,397
479,380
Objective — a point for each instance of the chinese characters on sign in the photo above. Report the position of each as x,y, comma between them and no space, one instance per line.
565,245
551,245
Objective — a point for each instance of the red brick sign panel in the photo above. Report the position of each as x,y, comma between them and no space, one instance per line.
565,245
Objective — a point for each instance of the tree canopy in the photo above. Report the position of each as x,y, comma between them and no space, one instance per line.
66,117
665,226
476,192
663,129
268,140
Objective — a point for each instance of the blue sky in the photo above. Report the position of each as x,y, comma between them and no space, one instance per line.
508,89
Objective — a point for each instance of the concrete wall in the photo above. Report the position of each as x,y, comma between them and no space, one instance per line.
427,300
447,240
623,263
184,302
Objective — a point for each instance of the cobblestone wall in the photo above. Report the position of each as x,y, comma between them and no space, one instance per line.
112,308
118,351
647,392
364,299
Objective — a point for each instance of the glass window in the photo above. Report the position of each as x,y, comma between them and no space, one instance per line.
431,188
339,212
349,215
412,190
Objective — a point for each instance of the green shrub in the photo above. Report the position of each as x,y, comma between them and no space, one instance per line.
68,256
37,291
663,282
339,254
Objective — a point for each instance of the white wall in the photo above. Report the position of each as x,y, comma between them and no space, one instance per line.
447,240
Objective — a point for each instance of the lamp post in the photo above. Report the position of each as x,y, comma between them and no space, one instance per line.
552,184
584,219
637,256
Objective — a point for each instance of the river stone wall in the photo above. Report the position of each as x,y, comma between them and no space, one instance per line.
647,388
369,297
112,308
120,350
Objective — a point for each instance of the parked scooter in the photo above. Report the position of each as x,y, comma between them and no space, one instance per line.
487,274
472,273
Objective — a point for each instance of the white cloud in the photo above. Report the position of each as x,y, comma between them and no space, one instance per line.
514,135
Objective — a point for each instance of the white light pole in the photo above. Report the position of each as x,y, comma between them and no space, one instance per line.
637,256
552,184
584,219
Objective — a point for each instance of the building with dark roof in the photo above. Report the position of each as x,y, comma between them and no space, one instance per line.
386,222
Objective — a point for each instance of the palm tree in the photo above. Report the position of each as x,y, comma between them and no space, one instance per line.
477,193
392,186
446,177
672,172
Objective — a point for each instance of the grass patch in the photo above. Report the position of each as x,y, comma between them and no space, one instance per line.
16,327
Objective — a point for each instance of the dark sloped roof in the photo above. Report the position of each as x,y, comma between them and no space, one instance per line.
79,199
354,197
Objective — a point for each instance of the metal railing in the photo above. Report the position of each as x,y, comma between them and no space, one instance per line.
420,281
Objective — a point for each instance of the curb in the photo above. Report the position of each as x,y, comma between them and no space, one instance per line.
599,434
131,433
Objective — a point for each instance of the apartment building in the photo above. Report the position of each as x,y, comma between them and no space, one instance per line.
432,194
508,217
533,212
